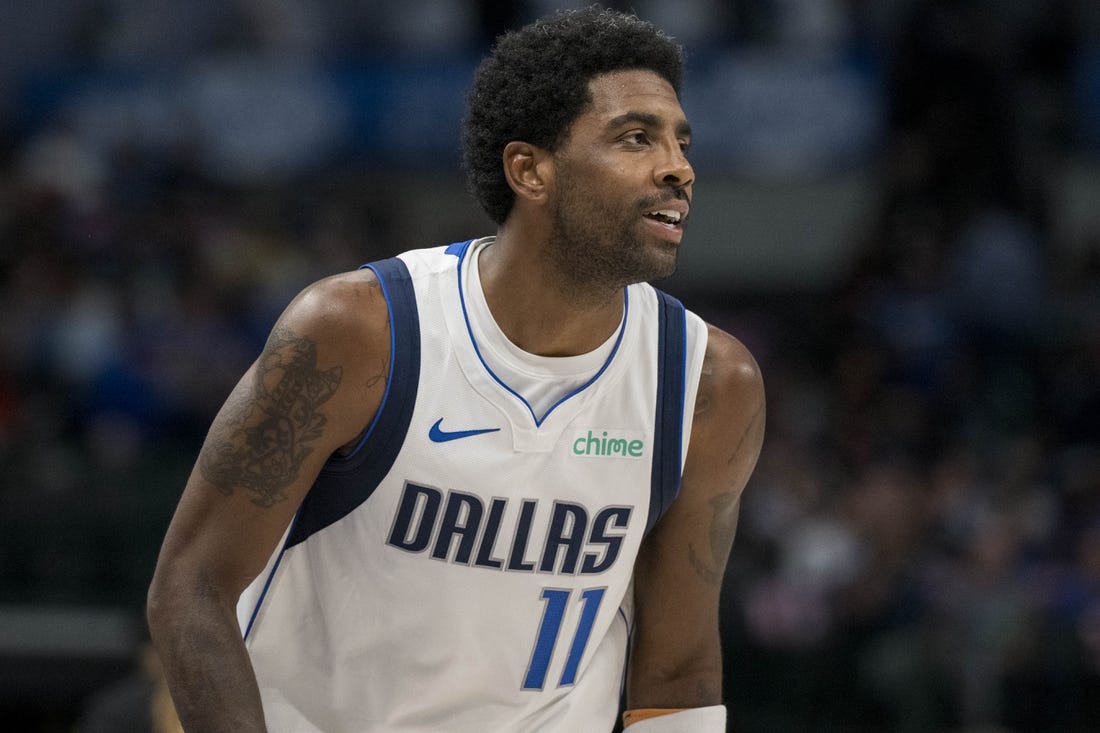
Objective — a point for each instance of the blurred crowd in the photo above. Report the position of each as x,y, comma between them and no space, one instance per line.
919,548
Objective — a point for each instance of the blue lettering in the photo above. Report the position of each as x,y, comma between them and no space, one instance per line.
523,535
416,515
613,516
455,524
567,529
460,528
485,557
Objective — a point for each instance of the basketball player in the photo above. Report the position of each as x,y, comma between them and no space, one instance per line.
489,486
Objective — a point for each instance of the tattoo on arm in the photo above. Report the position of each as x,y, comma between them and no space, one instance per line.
723,524
262,447
374,290
710,564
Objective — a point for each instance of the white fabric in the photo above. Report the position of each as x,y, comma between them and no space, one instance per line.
540,380
710,719
361,629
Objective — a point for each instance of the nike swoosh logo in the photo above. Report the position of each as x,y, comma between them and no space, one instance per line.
439,435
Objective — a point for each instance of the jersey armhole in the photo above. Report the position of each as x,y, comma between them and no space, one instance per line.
348,481
669,423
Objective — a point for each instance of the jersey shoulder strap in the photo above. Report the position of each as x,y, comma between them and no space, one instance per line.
345,483
671,391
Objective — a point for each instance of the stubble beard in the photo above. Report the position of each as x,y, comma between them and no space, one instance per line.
597,249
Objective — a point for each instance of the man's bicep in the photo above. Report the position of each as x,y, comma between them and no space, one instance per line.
273,423
727,435
726,438
306,396
248,480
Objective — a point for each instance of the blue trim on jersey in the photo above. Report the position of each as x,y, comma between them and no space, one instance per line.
669,424
267,585
333,496
346,482
460,250
339,489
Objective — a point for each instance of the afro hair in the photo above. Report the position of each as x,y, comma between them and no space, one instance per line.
535,84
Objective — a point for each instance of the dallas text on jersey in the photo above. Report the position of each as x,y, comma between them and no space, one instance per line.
467,532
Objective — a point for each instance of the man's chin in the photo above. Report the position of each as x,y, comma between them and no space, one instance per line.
660,267
664,261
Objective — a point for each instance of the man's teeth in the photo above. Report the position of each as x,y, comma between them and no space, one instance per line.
672,216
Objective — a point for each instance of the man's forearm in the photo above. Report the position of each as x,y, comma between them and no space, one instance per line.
689,680
206,665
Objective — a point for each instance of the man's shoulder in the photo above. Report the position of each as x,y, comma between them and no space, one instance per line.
729,351
340,311
361,287
359,302
731,397
333,294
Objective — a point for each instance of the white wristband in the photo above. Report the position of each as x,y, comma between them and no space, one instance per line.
710,719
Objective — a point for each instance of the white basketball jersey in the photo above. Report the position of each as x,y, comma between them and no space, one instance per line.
468,567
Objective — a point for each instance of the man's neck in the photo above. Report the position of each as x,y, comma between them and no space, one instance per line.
536,307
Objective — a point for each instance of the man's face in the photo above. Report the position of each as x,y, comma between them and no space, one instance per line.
622,184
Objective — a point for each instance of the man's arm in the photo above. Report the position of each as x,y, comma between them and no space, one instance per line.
676,658
313,390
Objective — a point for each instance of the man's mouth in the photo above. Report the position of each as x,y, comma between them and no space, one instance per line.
665,216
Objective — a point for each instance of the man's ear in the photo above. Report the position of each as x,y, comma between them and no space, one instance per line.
529,169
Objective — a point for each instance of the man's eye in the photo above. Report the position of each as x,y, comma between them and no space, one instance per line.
637,138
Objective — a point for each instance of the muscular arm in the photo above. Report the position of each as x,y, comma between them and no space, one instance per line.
676,659
312,390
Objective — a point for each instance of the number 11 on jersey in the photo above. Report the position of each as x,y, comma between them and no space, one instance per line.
557,601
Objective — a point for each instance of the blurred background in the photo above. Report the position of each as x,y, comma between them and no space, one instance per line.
898,210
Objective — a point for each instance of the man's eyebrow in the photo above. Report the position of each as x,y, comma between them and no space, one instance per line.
683,129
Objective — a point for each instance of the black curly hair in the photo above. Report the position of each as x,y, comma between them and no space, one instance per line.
535,84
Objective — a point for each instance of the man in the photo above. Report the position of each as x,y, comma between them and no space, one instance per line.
458,486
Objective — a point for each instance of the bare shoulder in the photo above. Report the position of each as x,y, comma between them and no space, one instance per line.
312,391
338,308
343,322
340,326
731,387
